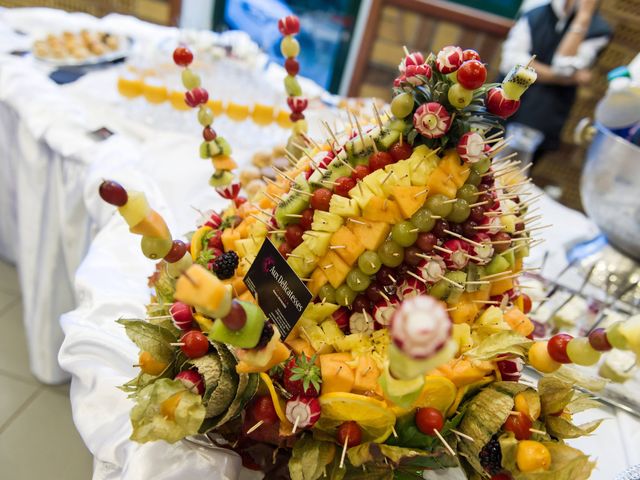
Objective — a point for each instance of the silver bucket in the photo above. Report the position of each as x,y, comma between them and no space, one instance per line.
610,188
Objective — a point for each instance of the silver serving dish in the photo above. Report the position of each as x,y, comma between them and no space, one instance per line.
611,188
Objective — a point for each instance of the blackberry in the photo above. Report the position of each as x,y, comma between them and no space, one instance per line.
265,336
491,456
225,265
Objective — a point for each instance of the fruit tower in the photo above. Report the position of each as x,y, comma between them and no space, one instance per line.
410,238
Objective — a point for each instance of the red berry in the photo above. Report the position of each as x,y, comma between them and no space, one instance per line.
341,317
426,241
519,425
400,152
284,249
301,376
209,134
216,240
557,347
359,172
379,160
428,420
470,54
472,74
293,235
361,303
350,433
599,341
178,249
113,193
182,56
307,219
526,303
292,66
343,185
289,25
263,409
195,343
321,198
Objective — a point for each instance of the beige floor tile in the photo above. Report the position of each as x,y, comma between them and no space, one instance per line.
7,299
9,278
13,394
60,389
42,442
14,358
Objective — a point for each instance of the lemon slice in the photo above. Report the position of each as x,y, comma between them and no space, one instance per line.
438,392
196,241
373,416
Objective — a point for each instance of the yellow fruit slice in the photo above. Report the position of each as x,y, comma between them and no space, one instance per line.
438,392
278,403
196,241
373,416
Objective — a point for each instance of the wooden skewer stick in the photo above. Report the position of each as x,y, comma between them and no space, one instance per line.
344,451
535,430
533,57
448,280
444,442
406,51
377,115
356,221
463,435
417,277
302,192
177,344
293,215
457,235
255,427
486,302
387,176
334,247
489,227
514,413
422,255
477,204
422,192
442,249
452,200
393,430
295,425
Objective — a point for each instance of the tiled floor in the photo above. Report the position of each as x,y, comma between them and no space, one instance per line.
37,435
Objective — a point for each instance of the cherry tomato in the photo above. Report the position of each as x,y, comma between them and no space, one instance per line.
343,185
428,420
264,410
321,198
307,219
293,235
182,56
349,432
380,160
284,249
359,172
557,347
526,303
519,425
400,152
472,74
196,344
470,54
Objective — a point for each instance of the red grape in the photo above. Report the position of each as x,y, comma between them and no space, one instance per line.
307,219
292,66
384,275
477,214
178,249
503,242
380,160
263,409
293,235
182,56
557,347
360,171
373,292
209,134
321,198
195,343
113,193
350,433
343,185
360,303
285,249
469,228
439,229
412,255
236,318
472,74
426,241
428,420
519,425
400,152
599,341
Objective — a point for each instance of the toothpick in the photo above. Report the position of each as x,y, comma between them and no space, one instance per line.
386,177
451,200
406,52
377,115
533,57
417,277
393,431
442,249
327,266
422,192
457,235
422,255
535,430
344,162
177,344
293,215
463,435
385,296
448,280
486,302
477,204
391,277
255,427
334,247
295,424
302,192
444,442
344,451
489,227
356,221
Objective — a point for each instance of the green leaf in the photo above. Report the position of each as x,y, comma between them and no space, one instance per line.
574,377
555,394
309,458
581,402
506,342
150,424
562,428
150,338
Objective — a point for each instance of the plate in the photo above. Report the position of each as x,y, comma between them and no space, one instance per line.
122,51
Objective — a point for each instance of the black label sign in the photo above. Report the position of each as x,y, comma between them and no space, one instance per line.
280,293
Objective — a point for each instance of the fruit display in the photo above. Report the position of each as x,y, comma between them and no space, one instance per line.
411,242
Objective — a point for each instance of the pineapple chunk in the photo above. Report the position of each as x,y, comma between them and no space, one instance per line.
332,332
461,333
455,168
422,162
492,320
304,262
382,210
355,342
352,246
400,176
315,336
361,194
440,182
318,279
343,206
334,268
374,182
371,234
248,247
325,221
319,311
409,199
318,242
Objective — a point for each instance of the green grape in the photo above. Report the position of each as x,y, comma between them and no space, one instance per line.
369,262
581,352
404,234
423,220
190,80
205,116
468,192
155,248
482,166
391,254
344,295
437,206
440,289
460,211
474,178
402,105
327,293
616,338
357,280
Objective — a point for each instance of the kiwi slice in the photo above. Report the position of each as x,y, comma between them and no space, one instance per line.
221,178
388,138
293,203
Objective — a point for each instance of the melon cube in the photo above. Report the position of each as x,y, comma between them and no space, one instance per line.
318,279
381,209
440,182
136,209
371,234
349,246
409,199
336,375
455,168
334,268
366,374
153,225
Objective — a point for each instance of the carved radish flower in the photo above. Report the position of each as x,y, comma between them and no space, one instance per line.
432,120
498,104
230,192
303,411
414,74
449,59
297,104
196,96
411,60
471,147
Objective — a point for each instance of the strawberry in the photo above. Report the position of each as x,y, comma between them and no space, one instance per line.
302,376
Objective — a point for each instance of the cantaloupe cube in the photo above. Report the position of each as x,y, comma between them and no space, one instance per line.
238,286
519,322
466,310
366,375
381,209
498,287
462,372
348,245
336,375
409,199
440,182
371,234
300,345
318,279
452,165
200,288
153,225
334,268
229,237
247,297
223,162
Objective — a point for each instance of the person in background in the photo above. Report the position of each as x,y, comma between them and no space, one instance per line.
566,36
